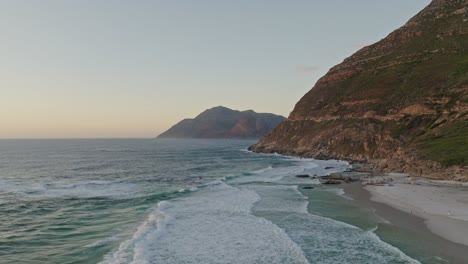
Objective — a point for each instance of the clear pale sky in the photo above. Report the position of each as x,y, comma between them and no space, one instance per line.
88,68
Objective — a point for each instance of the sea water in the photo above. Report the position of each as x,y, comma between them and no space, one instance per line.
175,201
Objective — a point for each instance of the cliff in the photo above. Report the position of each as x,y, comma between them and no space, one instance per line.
222,122
398,105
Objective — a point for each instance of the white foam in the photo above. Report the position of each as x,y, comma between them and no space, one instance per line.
11,186
269,168
211,183
323,240
285,198
133,250
293,180
264,219
287,175
215,225
88,189
340,192
273,175
103,242
391,248
91,189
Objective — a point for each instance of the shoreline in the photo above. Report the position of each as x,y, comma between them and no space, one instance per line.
443,205
445,231
441,245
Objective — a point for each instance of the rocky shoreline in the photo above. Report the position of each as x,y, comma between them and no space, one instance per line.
368,175
398,105
398,162
419,168
435,207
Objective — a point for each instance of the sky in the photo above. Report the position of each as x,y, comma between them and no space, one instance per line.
112,69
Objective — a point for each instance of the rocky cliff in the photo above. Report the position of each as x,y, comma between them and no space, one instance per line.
399,105
222,122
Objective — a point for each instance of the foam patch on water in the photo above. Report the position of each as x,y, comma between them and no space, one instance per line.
260,171
288,203
86,189
262,218
215,225
103,242
340,192
322,240
287,175
293,180
133,250
273,175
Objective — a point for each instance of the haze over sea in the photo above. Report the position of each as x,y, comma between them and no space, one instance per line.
180,201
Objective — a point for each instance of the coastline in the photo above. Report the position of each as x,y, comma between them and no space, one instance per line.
408,203
443,237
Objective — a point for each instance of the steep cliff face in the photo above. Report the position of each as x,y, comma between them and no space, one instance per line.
400,104
222,122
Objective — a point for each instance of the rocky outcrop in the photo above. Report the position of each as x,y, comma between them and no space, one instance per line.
222,122
400,104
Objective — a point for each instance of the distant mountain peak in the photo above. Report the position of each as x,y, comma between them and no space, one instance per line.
222,122
400,104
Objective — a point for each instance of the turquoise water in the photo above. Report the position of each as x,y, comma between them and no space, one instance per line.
174,201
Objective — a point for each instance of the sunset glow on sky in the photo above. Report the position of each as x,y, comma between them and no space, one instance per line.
72,69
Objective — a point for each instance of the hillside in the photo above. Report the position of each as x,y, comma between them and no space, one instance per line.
398,105
222,122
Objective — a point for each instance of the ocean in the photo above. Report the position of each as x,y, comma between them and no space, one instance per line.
180,201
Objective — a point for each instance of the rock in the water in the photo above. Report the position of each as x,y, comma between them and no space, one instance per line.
332,182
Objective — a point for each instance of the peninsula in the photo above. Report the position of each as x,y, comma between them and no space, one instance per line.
222,122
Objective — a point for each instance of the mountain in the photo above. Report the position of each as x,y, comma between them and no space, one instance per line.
222,122
398,105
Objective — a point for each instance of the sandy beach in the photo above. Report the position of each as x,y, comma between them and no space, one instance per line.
443,205
437,209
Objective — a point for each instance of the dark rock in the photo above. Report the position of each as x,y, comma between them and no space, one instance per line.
328,168
303,176
341,177
307,187
336,176
332,182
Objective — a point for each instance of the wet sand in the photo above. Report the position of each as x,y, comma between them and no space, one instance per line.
443,206
446,249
